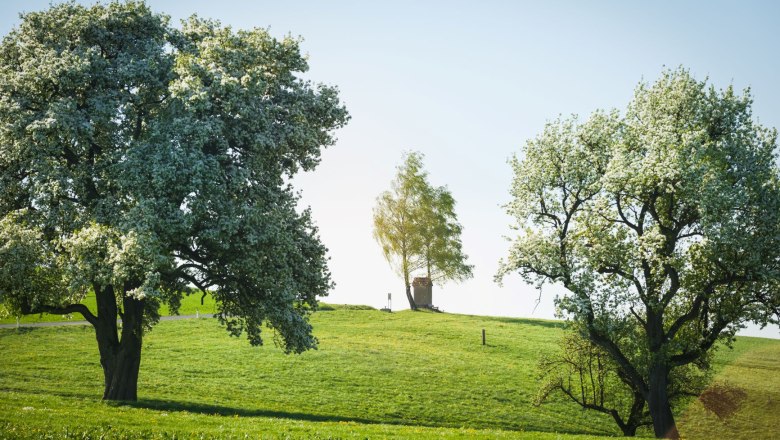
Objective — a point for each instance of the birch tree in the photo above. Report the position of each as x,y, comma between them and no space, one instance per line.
417,228
396,220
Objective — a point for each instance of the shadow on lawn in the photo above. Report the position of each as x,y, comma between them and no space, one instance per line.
8,332
212,410
204,409
529,321
199,408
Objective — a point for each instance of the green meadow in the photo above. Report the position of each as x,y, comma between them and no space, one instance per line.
375,375
190,305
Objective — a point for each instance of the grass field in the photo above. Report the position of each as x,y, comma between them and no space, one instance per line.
375,375
190,304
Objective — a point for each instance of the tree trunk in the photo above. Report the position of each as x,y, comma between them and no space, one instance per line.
412,304
121,360
628,429
658,404
121,376
405,272
430,279
634,420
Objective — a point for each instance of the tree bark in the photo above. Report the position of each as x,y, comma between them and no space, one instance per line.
634,420
412,304
121,374
628,429
658,404
120,359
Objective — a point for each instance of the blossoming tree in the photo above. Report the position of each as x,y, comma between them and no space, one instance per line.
138,159
663,219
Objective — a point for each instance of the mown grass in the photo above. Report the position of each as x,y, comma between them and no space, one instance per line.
375,375
190,304
754,367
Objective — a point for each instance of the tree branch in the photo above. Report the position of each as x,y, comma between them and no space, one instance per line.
71,308
682,319
638,318
543,212
623,217
623,274
617,354
674,279
708,341
200,284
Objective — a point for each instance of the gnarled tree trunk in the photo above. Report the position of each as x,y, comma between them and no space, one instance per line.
658,404
120,359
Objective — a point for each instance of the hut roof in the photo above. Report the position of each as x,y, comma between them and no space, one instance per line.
421,282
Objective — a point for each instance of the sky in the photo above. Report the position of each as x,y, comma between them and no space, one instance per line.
467,84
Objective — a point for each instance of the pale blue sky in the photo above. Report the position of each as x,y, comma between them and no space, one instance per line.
467,83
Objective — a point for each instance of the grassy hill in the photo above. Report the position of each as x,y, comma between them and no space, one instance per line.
375,375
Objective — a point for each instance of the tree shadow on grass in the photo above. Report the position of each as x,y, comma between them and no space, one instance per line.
529,321
49,393
212,410
217,410
7,332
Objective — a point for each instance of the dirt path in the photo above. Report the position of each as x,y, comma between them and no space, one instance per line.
63,323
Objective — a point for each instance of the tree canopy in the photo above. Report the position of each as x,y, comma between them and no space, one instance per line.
138,159
416,225
441,249
664,218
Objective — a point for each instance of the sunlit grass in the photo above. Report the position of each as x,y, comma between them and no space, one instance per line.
190,305
377,375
